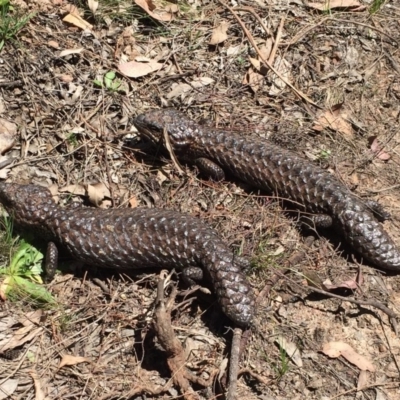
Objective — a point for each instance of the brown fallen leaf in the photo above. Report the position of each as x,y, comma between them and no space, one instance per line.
72,360
134,69
20,336
363,380
355,5
336,119
285,69
8,131
7,388
39,393
376,148
78,21
253,79
151,9
219,33
133,202
53,43
337,349
97,193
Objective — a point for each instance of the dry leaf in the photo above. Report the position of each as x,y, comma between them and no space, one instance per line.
19,337
234,50
363,380
349,284
284,69
53,43
219,33
93,5
97,193
39,393
150,8
255,63
78,22
266,48
253,79
337,349
70,51
66,78
72,360
7,135
74,189
377,149
161,177
134,69
291,350
31,318
328,5
179,89
133,202
7,388
201,81
336,119
172,8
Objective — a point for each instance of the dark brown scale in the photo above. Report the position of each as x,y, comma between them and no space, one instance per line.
269,167
134,238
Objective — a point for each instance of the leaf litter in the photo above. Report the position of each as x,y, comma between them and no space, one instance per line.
64,130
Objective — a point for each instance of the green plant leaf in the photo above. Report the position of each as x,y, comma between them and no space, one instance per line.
33,290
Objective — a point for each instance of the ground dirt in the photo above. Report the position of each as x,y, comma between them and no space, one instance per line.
100,343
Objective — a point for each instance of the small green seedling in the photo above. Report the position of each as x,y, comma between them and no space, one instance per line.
110,82
21,278
324,154
376,6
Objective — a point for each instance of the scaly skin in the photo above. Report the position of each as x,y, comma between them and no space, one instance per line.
135,238
271,168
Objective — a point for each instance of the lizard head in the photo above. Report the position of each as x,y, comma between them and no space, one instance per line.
27,204
156,125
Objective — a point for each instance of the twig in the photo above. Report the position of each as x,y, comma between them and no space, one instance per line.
255,376
257,17
271,57
171,152
253,43
374,303
311,27
234,364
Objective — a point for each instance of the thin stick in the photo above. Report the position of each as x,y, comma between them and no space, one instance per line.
253,43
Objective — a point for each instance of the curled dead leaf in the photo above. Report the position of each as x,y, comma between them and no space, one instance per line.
336,119
337,349
284,68
97,193
253,79
72,360
219,33
376,148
